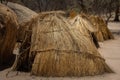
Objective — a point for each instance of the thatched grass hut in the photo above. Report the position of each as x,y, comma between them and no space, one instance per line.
57,49
8,30
103,33
24,15
83,24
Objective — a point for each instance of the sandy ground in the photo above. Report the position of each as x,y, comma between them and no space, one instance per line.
109,50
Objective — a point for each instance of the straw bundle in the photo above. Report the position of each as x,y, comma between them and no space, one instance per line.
82,23
59,49
8,30
103,32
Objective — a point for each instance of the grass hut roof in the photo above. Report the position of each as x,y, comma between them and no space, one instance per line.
24,15
57,49
8,30
103,33
82,23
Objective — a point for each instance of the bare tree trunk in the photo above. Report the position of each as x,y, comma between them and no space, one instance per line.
117,2
81,4
117,14
108,15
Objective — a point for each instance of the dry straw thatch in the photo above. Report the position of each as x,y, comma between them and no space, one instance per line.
24,15
103,33
82,23
22,60
8,30
59,50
